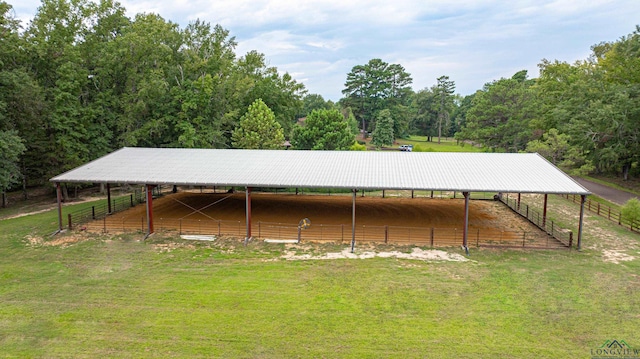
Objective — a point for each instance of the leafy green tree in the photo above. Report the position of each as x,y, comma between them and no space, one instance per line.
631,211
383,133
376,86
444,105
424,115
499,117
323,130
314,102
553,146
11,148
258,129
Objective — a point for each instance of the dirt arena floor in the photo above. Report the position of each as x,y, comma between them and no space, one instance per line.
400,220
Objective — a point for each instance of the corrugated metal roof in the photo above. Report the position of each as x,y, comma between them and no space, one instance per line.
476,172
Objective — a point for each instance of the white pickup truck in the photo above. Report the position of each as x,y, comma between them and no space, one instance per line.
407,148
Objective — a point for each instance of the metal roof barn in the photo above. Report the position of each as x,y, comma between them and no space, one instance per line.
475,172
355,170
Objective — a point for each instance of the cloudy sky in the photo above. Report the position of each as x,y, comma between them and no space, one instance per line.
472,41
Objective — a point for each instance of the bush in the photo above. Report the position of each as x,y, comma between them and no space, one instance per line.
631,211
419,148
357,146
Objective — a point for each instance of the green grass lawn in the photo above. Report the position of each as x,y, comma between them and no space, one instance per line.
420,143
125,298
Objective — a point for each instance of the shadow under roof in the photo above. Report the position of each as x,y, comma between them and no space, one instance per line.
438,171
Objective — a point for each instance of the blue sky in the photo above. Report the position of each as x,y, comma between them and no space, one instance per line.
473,42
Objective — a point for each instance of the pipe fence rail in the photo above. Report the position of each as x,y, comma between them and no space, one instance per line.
340,233
563,235
605,211
118,204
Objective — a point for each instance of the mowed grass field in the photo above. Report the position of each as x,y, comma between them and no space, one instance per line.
420,143
92,296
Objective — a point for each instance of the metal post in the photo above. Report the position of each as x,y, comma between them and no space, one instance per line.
583,198
353,220
544,211
108,198
59,199
248,210
465,229
432,237
149,209
518,202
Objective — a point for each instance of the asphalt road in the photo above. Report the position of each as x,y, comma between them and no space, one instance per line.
608,193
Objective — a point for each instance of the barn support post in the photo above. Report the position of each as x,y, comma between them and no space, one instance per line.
248,210
583,198
465,228
353,220
59,199
544,211
108,198
149,189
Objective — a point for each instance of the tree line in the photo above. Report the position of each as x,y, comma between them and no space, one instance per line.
583,117
82,79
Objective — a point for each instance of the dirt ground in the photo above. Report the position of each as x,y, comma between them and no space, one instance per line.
397,220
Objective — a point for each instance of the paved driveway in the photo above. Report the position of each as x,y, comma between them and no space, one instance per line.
608,193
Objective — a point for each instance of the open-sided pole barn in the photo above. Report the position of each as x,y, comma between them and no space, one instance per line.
248,169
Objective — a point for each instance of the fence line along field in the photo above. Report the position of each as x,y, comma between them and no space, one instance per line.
423,221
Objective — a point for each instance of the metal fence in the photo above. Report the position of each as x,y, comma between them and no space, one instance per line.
339,233
101,210
605,211
565,236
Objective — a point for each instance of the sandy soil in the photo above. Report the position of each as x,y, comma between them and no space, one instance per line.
398,220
